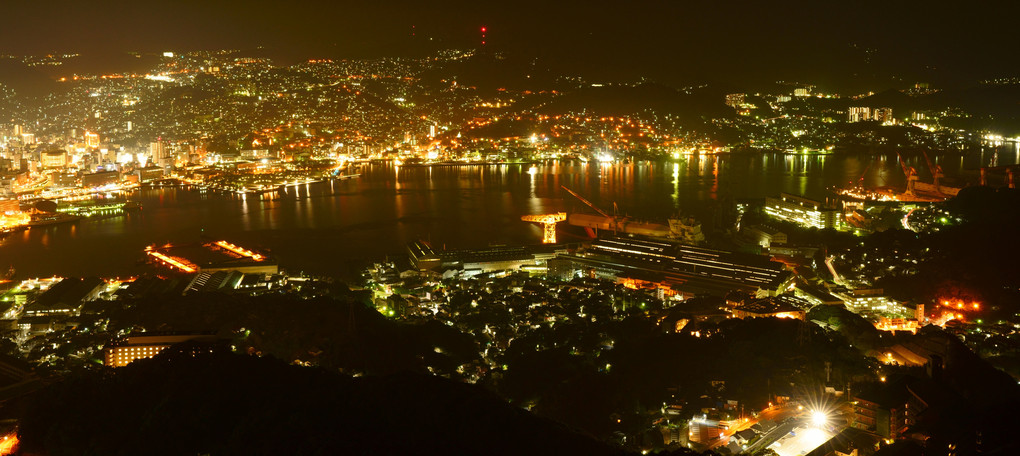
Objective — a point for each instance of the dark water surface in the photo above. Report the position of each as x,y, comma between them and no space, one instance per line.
319,228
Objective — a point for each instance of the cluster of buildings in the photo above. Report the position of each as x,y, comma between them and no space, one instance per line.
865,114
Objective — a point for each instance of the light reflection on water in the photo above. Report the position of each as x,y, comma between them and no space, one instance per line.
317,227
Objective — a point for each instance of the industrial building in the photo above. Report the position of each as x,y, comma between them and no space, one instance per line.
66,297
765,236
802,211
682,269
481,261
212,257
778,306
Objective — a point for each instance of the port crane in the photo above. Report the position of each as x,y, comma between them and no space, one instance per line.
548,222
936,171
615,219
910,173
1010,174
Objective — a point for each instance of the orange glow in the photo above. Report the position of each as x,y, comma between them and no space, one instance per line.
548,222
787,315
179,263
960,304
240,250
8,444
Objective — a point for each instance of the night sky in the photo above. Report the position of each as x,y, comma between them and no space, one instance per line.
679,41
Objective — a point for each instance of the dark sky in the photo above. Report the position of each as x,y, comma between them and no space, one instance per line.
683,40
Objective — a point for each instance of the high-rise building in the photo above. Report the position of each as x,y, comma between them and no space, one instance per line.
858,114
883,115
91,140
160,154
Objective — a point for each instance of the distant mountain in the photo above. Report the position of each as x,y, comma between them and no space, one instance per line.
620,100
26,80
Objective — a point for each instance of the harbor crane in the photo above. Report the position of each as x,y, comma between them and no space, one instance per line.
1010,170
936,171
613,220
910,173
548,222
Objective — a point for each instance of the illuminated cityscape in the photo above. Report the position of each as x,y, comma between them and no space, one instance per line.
560,228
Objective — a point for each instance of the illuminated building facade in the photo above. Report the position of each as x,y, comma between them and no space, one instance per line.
99,179
858,114
802,211
883,115
91,140
160,154
140,347
53,159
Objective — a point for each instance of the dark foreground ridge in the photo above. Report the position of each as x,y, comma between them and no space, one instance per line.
223,403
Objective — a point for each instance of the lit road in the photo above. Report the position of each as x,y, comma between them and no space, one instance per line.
832,270
906,220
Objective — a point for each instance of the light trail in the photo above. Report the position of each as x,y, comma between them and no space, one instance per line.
832,270
906,220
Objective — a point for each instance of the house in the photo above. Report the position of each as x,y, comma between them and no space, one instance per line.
743,437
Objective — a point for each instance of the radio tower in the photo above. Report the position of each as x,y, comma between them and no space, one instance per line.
484,29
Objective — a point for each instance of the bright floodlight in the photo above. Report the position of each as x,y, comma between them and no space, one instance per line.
818,418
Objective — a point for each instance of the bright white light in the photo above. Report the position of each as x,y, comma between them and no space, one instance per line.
819,418
159,77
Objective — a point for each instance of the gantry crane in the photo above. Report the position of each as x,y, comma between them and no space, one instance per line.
1010,174
936,171
548,222
910,173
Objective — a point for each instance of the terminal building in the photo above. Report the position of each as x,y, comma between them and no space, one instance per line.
802,211
678,269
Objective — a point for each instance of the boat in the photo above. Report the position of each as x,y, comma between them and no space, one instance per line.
52,219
